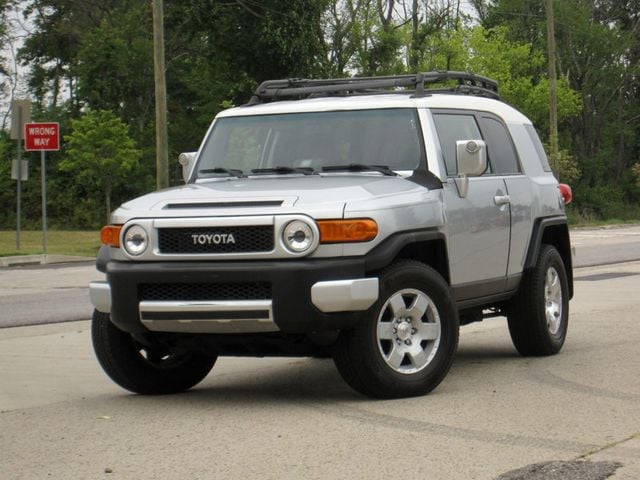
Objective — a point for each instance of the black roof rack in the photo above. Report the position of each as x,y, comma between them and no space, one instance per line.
417,84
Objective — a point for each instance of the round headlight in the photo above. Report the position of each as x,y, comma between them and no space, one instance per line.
297,236
136,240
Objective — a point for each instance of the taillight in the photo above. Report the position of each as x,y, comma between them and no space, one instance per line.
565,193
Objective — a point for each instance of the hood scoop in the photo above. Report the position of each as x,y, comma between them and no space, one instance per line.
231,204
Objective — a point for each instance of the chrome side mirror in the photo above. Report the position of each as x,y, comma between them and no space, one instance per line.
186,159
471,160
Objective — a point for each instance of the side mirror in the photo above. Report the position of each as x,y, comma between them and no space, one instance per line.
186,159
471,159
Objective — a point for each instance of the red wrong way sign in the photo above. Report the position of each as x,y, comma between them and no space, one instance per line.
42,136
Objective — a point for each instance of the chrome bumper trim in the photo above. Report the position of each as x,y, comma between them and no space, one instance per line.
100,295
345,295
247,316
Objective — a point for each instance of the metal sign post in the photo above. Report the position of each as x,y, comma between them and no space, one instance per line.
19,187
43,137
20,113
44,203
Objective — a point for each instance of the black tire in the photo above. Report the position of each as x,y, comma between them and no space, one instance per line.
391,353
539,315
141,369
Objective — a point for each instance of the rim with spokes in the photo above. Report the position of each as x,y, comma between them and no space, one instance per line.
158,358
408,331
553,300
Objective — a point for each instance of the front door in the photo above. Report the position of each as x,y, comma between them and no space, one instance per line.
479,225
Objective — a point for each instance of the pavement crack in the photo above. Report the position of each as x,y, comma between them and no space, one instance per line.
607,446
416,426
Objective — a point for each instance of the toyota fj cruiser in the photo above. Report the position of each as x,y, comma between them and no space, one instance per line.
363,218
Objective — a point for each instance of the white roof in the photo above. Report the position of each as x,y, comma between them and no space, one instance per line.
363,102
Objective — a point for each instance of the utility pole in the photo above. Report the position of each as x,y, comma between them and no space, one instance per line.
553,92
162,154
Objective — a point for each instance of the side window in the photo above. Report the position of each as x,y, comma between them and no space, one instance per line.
452,127
500,151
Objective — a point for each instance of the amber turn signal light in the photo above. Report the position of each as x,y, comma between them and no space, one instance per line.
346,231
110,235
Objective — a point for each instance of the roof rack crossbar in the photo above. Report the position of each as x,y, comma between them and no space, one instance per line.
467,83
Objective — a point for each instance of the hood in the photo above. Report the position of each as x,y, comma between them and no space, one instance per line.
321,196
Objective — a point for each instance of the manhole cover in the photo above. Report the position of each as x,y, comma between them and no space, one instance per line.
558,470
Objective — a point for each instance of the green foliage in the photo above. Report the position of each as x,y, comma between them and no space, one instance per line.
100,155
636,173
7,189
115,66
564,165
492,54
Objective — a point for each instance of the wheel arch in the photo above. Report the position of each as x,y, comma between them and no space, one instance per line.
552,231
427,246
432,253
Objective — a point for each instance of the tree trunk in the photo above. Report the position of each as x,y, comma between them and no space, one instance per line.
414,49
107,199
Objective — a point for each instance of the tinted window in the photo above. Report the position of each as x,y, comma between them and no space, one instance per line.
451,128
500,151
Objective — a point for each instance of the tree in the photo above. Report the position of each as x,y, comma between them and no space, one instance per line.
598,47
100,153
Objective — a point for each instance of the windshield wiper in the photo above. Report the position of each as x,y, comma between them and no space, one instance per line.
232,172
283,170
359,167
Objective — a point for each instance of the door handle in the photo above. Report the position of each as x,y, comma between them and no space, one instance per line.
500,200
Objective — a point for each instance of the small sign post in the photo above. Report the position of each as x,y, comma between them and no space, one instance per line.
44,137
20,114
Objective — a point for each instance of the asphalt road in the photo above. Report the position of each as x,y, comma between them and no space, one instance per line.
573,416
54,293
606,245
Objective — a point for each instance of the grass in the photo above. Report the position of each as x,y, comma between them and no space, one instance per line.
59,242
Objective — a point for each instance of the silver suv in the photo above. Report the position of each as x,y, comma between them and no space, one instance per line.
362,218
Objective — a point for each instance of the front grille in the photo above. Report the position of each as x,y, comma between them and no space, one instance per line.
204,291
216,239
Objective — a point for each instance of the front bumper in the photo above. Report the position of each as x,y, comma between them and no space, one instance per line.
306,296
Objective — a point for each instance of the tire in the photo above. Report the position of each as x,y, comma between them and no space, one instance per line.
539,315
142,369
405,346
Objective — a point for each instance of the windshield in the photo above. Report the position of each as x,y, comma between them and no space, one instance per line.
313,140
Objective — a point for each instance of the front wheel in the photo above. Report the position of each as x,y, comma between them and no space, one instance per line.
144,369
406,345
539,315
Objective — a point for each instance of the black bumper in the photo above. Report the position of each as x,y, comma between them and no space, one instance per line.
290,284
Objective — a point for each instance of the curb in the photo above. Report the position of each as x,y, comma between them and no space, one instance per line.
26,260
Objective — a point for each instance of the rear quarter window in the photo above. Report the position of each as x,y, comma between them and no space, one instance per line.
542,155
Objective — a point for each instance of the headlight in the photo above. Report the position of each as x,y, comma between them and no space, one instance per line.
298,236
136,240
